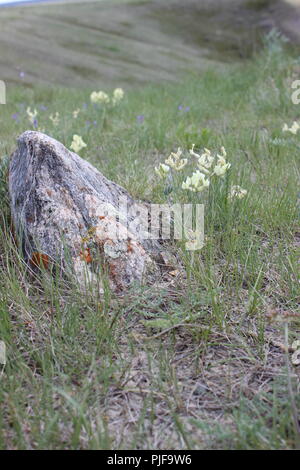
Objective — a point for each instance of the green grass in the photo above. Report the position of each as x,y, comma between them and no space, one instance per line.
193,362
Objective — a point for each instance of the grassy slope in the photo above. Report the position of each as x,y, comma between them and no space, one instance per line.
92,43
85,372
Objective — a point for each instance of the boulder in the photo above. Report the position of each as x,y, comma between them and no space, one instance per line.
68,216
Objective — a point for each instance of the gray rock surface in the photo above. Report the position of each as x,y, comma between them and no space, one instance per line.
66,214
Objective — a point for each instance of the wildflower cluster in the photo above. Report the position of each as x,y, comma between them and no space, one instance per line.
196,183
208,166
77,144
293,129
100,97
175,161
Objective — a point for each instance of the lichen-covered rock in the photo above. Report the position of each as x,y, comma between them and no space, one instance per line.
67,214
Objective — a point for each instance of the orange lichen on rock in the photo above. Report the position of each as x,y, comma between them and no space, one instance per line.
129,247
39,260
85,255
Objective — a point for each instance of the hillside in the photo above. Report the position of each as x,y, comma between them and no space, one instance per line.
124,42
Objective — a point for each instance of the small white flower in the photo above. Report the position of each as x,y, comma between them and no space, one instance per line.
118,95
224,153
193,153
285,127
77,143
293,129
31,114
205,161
76,113
237,192
175,161
196,183
220,170
162,170
55,119
222,166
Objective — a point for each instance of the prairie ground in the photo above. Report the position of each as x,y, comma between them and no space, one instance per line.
206,358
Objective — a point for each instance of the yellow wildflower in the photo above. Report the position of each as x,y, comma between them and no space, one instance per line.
237,192
196,183
193,153
31,114
222,166
55,119
205,160
100,97
293,129
77,143
76,113
118,95
175,161
162,170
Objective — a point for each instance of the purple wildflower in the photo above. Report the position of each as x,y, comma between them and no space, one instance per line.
140,118
182,108
15,117
35,124
21,74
